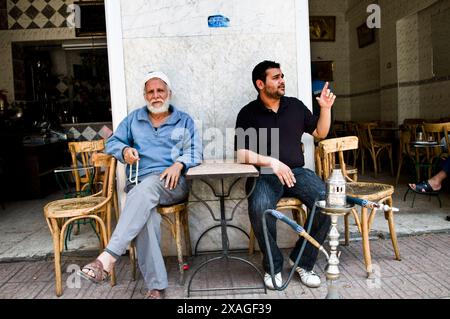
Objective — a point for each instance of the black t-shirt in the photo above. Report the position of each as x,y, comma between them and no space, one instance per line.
269,130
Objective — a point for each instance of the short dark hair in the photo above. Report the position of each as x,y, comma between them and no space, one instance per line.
259,72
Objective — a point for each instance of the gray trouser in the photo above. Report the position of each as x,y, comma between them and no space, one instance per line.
139,219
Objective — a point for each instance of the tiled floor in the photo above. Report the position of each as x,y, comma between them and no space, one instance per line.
424,272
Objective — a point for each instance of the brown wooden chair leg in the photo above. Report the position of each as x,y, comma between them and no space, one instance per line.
116,206
390,218
374,159
362,160
187,234
132,252
365,241
251,242
179,246
400,163
392,163
57,254
347,231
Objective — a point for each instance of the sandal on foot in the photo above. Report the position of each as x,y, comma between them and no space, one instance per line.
96,267
155,294
423,188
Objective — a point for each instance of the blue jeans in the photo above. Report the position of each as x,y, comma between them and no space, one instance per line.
268,191
446,166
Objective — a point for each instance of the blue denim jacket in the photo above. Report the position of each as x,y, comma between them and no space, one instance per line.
177,140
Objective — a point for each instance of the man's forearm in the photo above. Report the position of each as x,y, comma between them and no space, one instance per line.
324,123
249,157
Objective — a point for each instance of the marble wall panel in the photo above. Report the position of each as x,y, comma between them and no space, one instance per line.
234,58
434,100
148,19
408,102
188,64
408,49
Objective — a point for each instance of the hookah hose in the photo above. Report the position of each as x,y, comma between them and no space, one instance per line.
300,231
370,204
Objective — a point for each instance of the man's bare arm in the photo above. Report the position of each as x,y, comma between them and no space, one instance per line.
284,173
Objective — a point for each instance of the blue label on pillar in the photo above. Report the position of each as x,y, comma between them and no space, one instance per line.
218,21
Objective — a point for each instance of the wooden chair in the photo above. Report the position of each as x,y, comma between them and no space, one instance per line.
369,191
81,152
176,218
374,147
285,203
61,213
438,132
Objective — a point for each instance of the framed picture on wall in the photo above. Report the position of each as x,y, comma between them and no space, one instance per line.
322,28
366,36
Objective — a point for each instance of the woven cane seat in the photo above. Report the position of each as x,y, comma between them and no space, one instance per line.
369,191
72,207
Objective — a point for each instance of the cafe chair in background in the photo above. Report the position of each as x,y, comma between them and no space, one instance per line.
81,153
60,214
332,152
373,147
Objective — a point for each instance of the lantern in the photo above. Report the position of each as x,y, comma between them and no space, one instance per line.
335,189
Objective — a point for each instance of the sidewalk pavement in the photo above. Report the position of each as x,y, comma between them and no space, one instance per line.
423,273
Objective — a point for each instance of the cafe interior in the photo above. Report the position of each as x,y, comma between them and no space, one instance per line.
393,89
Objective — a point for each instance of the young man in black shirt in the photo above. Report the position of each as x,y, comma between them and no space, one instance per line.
268,135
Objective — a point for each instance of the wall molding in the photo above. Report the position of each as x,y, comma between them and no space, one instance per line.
398,85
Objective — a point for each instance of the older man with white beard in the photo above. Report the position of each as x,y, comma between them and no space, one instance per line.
165,143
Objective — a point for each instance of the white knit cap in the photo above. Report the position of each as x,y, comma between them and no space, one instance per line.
157,75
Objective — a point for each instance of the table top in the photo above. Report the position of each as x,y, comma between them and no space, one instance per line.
222,170
72,169
381,128
426,144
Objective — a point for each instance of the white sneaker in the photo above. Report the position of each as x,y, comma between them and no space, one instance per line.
308,278
268,280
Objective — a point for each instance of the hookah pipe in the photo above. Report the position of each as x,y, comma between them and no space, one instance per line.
300,231
370,204
303,233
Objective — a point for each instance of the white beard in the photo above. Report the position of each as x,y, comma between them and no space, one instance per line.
158,110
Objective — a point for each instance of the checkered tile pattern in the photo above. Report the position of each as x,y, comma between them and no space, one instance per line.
37,14
89,132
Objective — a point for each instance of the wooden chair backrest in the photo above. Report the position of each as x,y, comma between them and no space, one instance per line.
337,146
83,151
437,131
105,165
414,126
365,136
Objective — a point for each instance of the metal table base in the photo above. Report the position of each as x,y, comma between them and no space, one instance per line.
224,237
